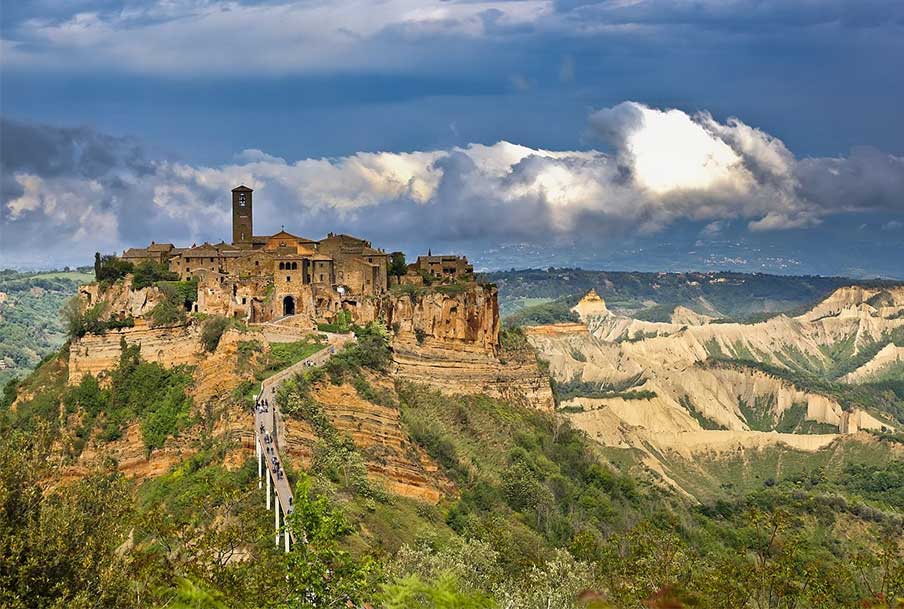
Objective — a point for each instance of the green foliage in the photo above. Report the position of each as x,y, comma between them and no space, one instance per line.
884,483
59,544
878,397
370,350
185,292
704,421
397,264
420,335
735,295
341,325
558,311
172,309
78,322
527,480
656,313
512,338
212,330
576,388
445,592
155,395
110,269
149,273
319,573
31,326
283,355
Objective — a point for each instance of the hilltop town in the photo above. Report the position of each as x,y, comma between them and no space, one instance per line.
259,278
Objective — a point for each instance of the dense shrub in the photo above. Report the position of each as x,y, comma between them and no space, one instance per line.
212,331
110,268
149,273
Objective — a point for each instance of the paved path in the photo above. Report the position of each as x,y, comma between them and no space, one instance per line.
266,428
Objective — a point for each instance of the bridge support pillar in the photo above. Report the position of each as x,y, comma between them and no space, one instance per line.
286,535
260,462
276,511
268,490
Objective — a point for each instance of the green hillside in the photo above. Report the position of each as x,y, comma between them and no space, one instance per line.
541,516
734,295
30,324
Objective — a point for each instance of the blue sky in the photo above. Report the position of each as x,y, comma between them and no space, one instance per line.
559,124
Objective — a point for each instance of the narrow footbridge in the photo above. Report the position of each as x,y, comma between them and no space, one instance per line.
268,440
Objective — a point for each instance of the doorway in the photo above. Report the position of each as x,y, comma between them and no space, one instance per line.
288,305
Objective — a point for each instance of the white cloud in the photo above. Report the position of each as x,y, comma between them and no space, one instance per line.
665,165
275,37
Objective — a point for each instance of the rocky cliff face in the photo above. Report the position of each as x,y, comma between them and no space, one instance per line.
450,340
681,398
96,353
120,300
392,459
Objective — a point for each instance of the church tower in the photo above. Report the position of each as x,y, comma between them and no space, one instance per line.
241,216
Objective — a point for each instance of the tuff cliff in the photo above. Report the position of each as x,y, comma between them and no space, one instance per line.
449,339
169,346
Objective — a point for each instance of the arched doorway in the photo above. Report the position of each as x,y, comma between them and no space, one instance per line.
288,305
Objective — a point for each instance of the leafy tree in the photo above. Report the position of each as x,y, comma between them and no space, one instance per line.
170,310
149,272
397,264
110,268
445,592
212,331
320,573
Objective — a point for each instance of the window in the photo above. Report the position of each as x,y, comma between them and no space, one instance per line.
242,204
288,279
282,266
294,266
257,263
321,277
244,300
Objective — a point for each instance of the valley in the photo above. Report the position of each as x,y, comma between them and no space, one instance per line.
444,452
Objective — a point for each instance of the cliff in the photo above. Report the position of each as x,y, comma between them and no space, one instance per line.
169,346
449,339
120,300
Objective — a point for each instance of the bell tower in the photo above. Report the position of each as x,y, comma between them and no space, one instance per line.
241,216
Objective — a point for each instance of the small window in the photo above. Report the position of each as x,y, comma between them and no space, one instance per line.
282,266
244,300
294,266
257,263
288,279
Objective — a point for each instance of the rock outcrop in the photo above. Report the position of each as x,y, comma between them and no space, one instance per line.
120,300
667,392
450,341
169,346
392,459
591,305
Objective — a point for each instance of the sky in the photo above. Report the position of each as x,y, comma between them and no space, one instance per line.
756,135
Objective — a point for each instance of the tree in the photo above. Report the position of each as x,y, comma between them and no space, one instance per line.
97,266
320,573
397,265
212,331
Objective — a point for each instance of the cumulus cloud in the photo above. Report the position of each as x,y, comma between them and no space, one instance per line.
654,167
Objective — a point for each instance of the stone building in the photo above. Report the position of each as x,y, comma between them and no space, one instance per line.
264,277
451,268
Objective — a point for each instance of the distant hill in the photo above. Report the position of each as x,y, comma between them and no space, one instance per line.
718,294
30,324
